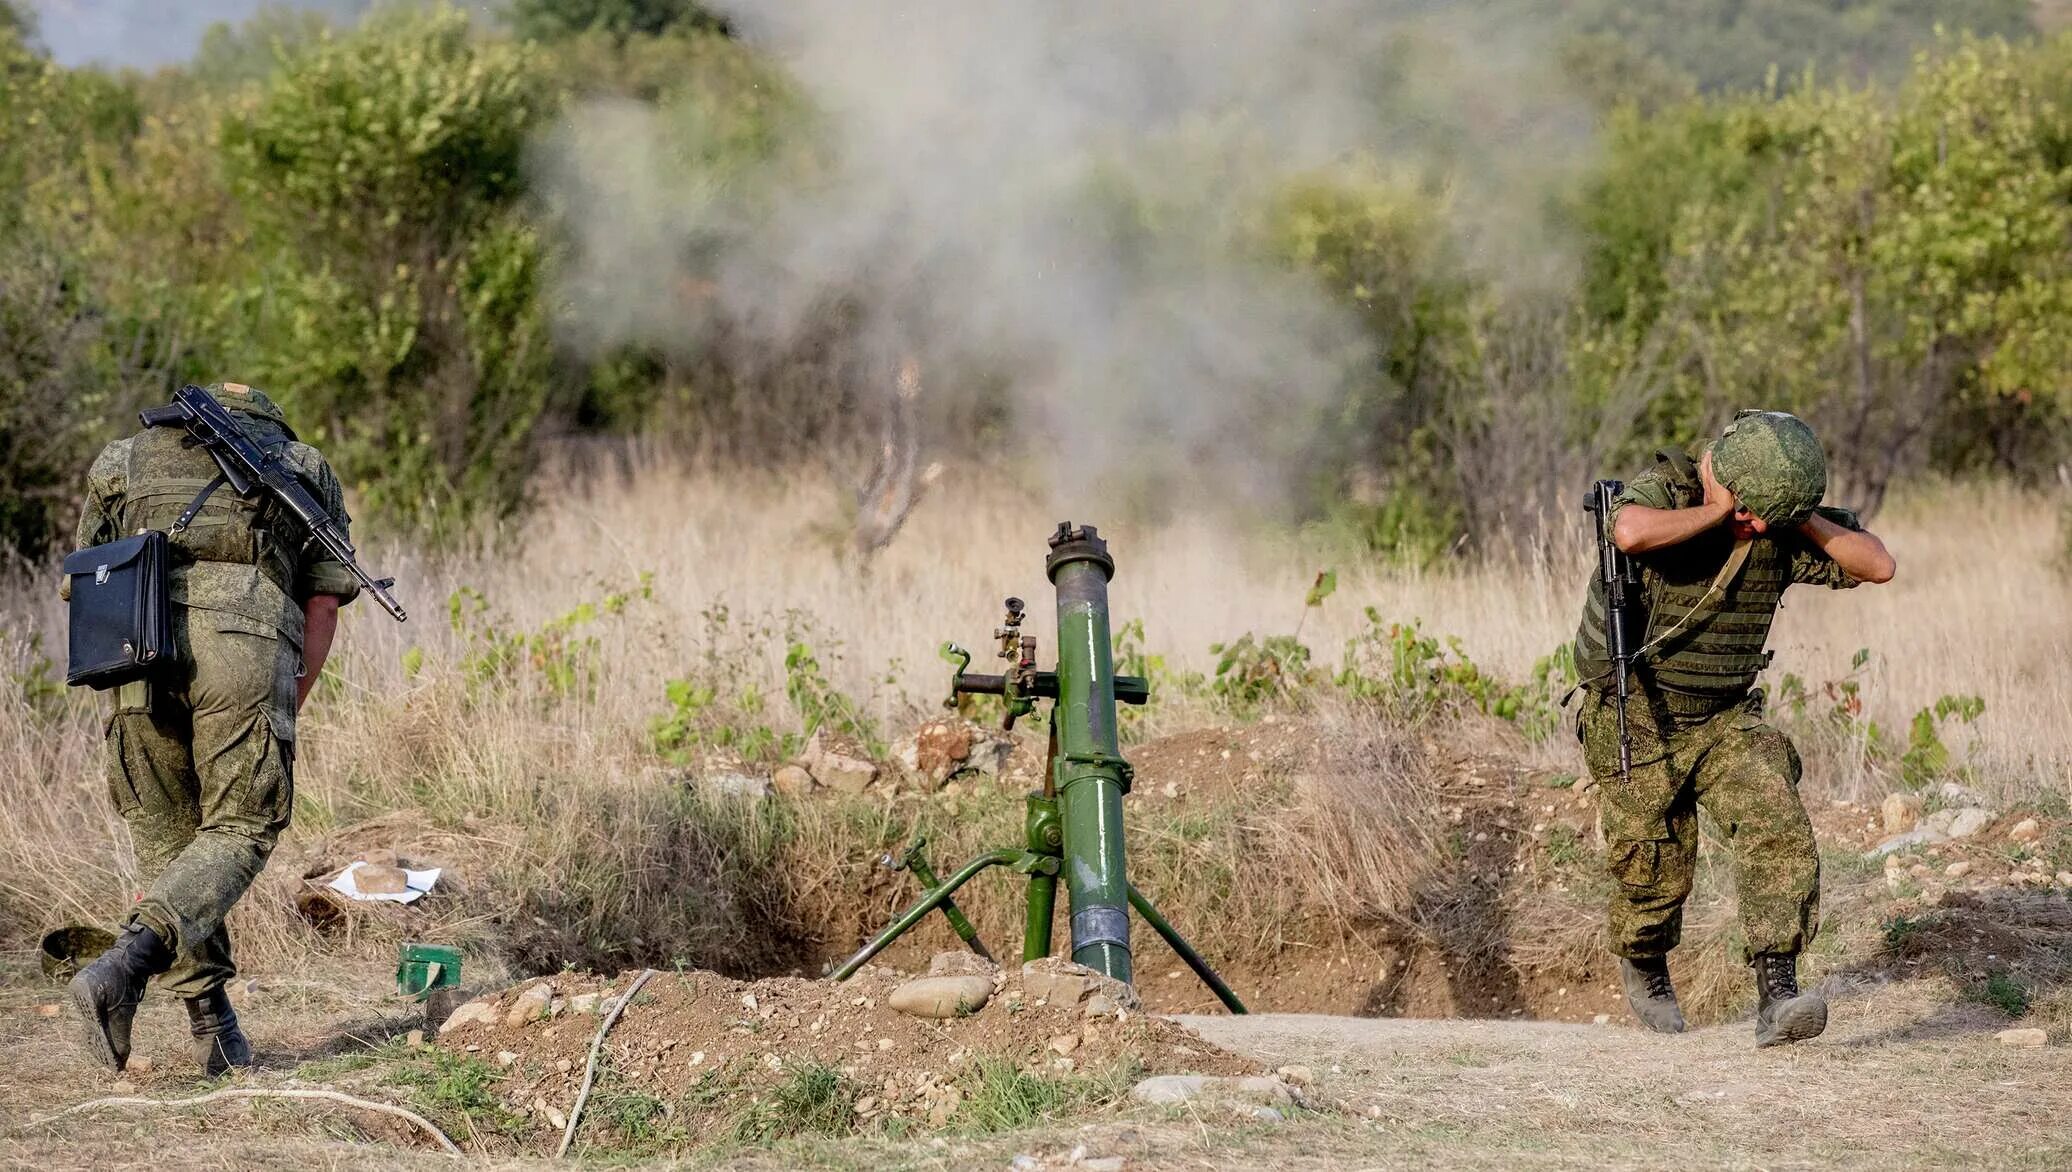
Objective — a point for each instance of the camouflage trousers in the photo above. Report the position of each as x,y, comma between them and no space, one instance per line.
1736,768
201,767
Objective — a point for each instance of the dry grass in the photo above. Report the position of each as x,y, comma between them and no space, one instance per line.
584,837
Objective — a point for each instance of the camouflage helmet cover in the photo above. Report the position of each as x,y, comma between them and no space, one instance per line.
1773,463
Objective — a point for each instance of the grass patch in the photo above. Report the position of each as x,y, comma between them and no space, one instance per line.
1000,1096
457,1092
2004,993
815,1100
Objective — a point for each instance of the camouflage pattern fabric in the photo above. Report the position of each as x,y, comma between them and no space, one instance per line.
201,767
1773,463
200,758
1739,770
1716,638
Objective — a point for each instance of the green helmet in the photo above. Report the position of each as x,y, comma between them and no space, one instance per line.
1773,463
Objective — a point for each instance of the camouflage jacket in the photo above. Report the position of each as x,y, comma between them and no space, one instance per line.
240,556
1708,643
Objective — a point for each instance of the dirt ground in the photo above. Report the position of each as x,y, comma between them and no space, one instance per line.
1909,1075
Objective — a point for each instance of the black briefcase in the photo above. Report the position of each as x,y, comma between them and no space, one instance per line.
122,628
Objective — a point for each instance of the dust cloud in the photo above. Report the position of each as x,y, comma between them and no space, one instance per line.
1062,205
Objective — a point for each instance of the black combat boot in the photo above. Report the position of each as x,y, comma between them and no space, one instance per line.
219,1045
107,992
1650,994
1782,1013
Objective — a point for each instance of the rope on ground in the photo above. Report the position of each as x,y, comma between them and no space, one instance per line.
575,1113
413,1117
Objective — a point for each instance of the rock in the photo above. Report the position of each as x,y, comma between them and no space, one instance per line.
2065,878
1061,982
480,1009
961,964
837,770
1969,821
122,1086
937,749
138,1065
2027,830
2026,1038
1958,869
1901,812
1064,1044
564,1066
1168,1089
1918,836
556,1120
1025,1163
414,1039
506,1058
1102,1005
584,1002
792,780
1601,1019
1959,795
942,997
375,879
1300,1076
1101,1164
738,785
531,1005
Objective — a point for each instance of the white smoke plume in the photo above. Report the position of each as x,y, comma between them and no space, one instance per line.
1058,200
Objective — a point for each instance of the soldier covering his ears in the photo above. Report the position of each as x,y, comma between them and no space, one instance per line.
201,755
1717,541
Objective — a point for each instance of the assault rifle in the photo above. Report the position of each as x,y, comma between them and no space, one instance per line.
1622,603
246,467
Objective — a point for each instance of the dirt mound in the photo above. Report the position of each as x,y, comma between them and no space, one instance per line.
697,1039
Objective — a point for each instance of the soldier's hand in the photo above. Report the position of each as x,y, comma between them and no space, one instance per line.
1718,497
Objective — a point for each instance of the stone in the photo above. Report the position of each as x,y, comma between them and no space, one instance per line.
2065,878
792,780
1960,795
506,1058
531,1005
138,1065
2026,1038
1901,812
961,964
1300,1076
480,1009
556,1120
942,997
938,749
122,1086
837,770
1168,1089
2027,830
414,1039
1064,1044
1101,1164
1918,836
737,785
1058,982
1958,869
584,1002
1969,821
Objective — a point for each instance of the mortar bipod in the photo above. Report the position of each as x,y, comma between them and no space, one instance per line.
1078,813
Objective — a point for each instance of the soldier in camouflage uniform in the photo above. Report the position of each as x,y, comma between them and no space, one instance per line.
201,756
1717,541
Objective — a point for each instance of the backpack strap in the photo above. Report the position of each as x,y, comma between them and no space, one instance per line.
201,498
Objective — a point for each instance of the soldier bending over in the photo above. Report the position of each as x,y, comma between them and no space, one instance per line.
1717,542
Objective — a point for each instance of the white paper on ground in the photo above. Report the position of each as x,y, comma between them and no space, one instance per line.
415,884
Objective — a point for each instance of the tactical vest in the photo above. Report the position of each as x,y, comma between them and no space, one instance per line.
164,476
1715,647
